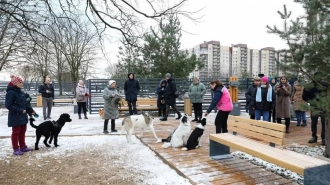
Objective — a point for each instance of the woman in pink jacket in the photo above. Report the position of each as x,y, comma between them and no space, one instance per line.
222,100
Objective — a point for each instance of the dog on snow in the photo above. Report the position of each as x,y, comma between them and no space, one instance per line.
180,136
49,129
195,136
142,121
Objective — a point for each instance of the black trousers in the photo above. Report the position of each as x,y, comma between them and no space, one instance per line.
162,111
198,111
174,108
132,107
82,105
314,119
106,121
221,122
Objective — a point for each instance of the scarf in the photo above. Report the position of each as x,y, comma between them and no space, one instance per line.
269,94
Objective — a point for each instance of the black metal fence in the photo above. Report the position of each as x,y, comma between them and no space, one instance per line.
96,87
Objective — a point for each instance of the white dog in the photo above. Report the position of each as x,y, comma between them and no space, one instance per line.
143,120
181,134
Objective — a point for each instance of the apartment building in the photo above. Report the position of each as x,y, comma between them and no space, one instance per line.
268,61
255,57
209,53
240,59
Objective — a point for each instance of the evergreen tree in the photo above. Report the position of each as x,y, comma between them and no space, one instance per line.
162,52
308,39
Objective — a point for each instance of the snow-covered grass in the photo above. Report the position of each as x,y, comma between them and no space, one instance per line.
136,157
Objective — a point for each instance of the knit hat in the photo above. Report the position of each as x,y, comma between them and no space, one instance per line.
15,80
111,82
168,75
264,79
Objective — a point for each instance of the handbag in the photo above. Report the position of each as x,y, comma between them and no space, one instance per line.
80,98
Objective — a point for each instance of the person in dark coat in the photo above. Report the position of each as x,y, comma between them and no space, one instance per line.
310,94
47,93
248,96
132,89
19,109
161,99
170,97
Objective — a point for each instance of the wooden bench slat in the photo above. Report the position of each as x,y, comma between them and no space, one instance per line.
287,159
240,131
259,123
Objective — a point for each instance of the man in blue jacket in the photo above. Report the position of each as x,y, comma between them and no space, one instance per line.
47,93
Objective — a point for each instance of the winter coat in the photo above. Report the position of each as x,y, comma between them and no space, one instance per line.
297,97
264,105
132,89
16,102
248,96
43,88
309,94
160,95
110,103
170,92
81,91
225,104
283,101
217,95
196,92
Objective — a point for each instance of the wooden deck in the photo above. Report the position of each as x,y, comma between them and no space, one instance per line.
199,168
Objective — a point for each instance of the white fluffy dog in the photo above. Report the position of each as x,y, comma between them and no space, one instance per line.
181,134
143,120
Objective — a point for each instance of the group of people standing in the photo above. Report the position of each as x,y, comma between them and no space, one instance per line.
268,99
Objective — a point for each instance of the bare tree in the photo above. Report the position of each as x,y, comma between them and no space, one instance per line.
110,70
125,16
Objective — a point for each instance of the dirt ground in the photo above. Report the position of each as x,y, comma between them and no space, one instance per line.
82,168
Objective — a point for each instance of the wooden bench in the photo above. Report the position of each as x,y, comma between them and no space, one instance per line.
250,136
63,101
146,104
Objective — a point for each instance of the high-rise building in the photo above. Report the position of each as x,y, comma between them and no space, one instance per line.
239,61
268,62
255,57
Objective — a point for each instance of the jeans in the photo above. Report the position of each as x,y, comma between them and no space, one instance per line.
301,116
263,113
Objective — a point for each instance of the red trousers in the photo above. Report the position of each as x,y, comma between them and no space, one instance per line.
18,136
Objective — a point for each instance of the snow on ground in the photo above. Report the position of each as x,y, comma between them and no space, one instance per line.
136,157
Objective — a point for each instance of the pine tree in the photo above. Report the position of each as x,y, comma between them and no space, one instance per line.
308,40
162,51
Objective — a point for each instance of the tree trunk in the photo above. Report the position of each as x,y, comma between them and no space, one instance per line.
327,138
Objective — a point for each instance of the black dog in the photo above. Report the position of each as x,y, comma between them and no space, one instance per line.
195,136
50,129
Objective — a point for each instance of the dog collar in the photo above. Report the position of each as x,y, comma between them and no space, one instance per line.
56,124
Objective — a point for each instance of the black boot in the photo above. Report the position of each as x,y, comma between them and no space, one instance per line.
105,127
279,120
164,119
313,140
113,126
179,116
86,116
196,115
79,116
287,125
304,124
298,124
200,115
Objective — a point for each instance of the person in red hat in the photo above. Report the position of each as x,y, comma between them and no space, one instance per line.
19,109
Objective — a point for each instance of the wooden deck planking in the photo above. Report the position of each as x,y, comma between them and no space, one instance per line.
200,169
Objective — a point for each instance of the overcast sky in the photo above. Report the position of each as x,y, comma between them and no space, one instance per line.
228,21
232,22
